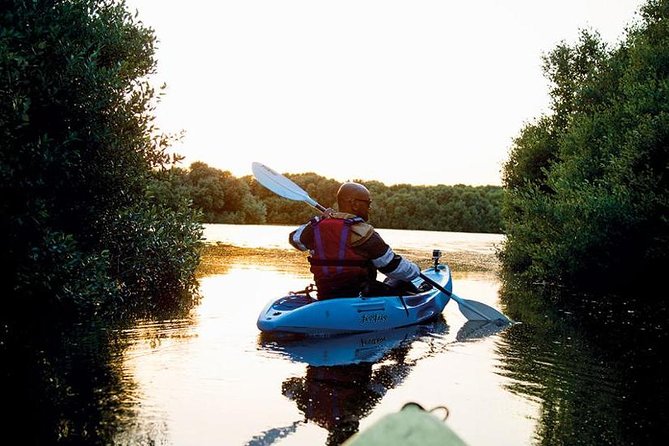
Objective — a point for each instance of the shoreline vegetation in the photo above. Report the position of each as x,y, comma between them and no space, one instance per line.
221,197
217,258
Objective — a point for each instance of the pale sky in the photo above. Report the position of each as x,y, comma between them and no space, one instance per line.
416,91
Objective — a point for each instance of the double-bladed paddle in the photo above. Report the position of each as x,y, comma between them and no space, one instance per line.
284,187
471,309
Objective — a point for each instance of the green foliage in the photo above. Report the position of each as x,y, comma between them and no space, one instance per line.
159,241
79,165
586,187
456,208
223,198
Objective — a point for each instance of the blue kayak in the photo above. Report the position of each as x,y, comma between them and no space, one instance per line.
300,313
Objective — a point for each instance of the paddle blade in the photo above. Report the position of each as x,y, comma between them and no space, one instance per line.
281,185
478,311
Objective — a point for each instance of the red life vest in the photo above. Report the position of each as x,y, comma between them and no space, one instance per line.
338,271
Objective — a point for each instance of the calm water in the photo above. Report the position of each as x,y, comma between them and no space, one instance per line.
268,236
211,379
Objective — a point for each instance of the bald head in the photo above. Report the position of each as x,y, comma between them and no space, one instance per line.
354,198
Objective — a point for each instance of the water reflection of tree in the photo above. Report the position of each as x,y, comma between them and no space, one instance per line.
337,397
68,387
59,388
598,379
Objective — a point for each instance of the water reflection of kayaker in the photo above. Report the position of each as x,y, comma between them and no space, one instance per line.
346,376
338,397
346,251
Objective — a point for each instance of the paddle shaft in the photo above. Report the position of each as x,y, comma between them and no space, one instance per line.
318,206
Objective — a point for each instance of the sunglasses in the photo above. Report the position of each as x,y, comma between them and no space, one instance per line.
369,202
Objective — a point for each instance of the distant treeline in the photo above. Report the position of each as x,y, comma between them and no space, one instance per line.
224,198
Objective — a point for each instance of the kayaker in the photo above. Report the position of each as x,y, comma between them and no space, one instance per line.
346,251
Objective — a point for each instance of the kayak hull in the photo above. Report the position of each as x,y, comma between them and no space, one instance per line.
297,313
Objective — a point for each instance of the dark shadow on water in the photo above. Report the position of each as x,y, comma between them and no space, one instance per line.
64,384
59,388
347,375
475,330
598,372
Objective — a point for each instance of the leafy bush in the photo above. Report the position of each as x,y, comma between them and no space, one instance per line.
586,186
221,197
78,161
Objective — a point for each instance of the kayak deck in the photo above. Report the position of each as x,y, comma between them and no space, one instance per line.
411,426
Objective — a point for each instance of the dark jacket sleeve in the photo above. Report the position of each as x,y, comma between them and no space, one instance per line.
385,260
303,237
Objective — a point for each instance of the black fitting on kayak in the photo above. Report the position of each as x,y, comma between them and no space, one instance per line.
436,255
304,292
443,409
